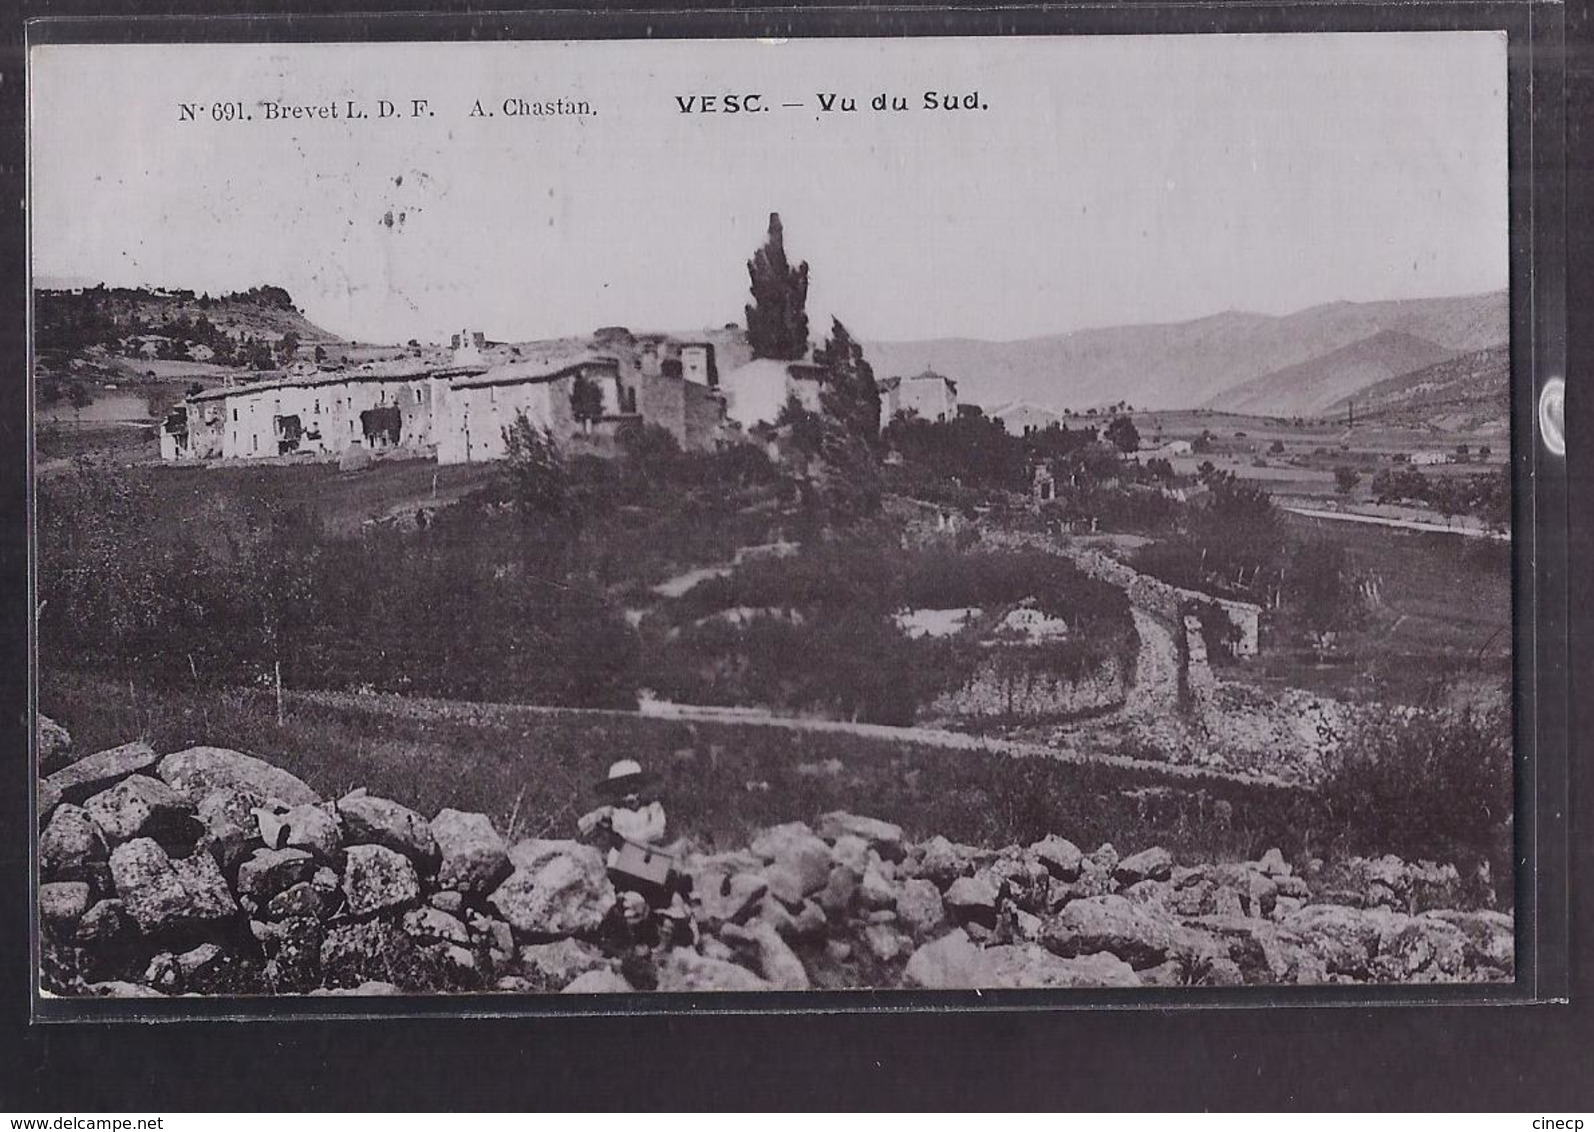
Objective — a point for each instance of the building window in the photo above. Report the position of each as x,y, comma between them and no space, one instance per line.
235,416
318,404
254,443
417,394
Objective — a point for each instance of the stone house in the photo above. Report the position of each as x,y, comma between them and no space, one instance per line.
756,392
929,395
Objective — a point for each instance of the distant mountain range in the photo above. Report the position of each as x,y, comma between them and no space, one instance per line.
1302,364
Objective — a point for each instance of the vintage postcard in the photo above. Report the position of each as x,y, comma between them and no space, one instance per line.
716,516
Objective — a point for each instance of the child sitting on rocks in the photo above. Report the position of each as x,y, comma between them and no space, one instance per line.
652,907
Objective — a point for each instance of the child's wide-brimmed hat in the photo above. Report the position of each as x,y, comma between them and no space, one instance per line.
625,777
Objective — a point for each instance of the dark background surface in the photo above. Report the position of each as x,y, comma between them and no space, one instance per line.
1538,1058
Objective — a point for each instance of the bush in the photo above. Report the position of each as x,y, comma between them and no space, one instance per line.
1429,785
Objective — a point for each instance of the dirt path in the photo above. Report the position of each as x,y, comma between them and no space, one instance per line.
1155,692
1457,528
418,708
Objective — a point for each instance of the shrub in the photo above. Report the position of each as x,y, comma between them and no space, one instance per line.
1434,785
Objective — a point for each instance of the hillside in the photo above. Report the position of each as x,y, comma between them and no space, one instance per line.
1310,387
1470,392
75,319
1189,364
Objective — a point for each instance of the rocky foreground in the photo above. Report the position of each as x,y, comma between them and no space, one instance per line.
208,871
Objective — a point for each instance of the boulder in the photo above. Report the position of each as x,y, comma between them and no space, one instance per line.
775,960
561,895
270,871
1346,939
1023,879
1028,966
474,857
232,831
205,969
120,988
1274,864
851,853
799,861
973,899
376,821
1060,856
943,861
886,943
447,901
48,797
70,843
1148,864
1420,949
1490,937
62,904
311,827
87,776
376,879
723,895
1140,935
883,836
683,971
199,771
556,964
298,901
295,948
919,907
140,806
952,962
808,921
428,925
378,951
875,891
534,852
105,922
162,894
840,890
600,980
54,743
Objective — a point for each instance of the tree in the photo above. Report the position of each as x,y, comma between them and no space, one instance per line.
1323,589
1123,434
288,347
850,395
320,353
586,402
777,319
1346,479
535,468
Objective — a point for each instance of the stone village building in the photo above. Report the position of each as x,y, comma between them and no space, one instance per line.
929,396
455,407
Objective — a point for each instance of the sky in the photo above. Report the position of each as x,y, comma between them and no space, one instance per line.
1105,181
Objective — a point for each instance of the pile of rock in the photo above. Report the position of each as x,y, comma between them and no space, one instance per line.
208,871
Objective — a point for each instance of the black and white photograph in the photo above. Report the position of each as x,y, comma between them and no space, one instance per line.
531,518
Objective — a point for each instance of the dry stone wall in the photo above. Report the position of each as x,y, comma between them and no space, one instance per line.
1005,689
209,871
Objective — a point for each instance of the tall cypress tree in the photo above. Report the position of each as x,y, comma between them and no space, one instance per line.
777,321
850,394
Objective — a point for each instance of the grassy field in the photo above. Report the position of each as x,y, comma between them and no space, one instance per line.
1443,616
532,771
340,500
